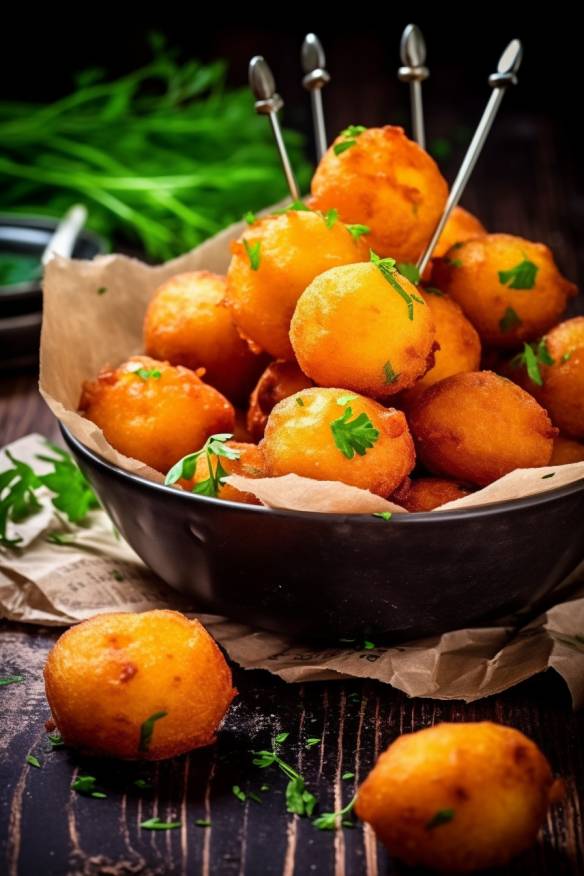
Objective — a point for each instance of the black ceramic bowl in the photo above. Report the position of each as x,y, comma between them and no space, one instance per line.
334,576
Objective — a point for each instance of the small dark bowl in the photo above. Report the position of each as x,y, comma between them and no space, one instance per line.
335,576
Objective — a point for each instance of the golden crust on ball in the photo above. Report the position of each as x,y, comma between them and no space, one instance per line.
425,494
352,328
250,464
461,226
303,436
510,288
107,676
288,250
386,182
187,323
478,426
279,380
566,450
157,418
458,797
459,344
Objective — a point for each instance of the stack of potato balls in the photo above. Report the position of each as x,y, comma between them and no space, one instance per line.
324,354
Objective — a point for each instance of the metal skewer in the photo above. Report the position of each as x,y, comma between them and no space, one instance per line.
64,237
413,57
507,68
313,64
267,103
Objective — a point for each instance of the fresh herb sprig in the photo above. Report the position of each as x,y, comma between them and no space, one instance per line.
73,495
353,436
389,270
531,358
331,820
299,800
214,448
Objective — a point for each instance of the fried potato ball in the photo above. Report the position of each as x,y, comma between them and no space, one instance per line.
566,450
478,426
273,263
188,324
153,411
329,434
460,345
279,380
353,328
146,686
461,225
425,494
458,797
510,288
562,383
249,464
378,178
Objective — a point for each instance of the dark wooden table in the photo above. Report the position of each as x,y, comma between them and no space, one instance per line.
521,186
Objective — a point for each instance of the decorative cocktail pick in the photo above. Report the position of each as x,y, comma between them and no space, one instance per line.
507,68
268,102
64,237
313,64
413,56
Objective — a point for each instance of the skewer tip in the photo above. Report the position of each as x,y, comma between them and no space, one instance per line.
508,65
312,54
412,47
261,79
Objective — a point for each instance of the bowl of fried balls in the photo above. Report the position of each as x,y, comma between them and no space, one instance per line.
322,353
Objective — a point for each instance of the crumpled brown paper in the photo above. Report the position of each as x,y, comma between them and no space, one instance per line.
93,316
96,572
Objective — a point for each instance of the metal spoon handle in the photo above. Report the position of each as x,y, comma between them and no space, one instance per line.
63,239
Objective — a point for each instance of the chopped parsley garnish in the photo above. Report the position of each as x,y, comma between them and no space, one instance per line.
369,646
33,761
102,290
443,816
409,271
117,575
548,475
347,776
331,217
357,231
567,356
250,217
349,136
237,792
531,358
433,290
143,784
11,679
253,253
299,402
282,737
385,515
353,436
86,785
298,207
509,320
56,740
157,824
522,276
389,374
330,820
147,729
202,822
146,373
454,263
312,741
299,800
346,399
389,270
213,448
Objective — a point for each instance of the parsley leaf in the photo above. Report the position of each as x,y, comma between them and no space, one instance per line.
17,497
202,822
249,217
253,253
147,729
330,217
522,276
56,740
345,399
11,679
409,271
389,373
86,785
389,270
357,231
157,824
102,290
349,136
347,776
213,448
353,436
443,816
299,401
531,358
33,761
385,515
282,737
73,493
299,801
509,320
312,741
237,792
143,784
369,646
329,820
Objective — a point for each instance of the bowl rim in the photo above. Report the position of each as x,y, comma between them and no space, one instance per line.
411,518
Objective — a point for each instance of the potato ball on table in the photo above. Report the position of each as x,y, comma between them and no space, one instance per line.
273,263
364,327
426,494
378,178
187,323
280,380
334,435
138,686
460,345
458,797
202,472
154,412
478,426
552,370
510,288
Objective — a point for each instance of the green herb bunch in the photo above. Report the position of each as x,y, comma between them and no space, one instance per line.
163,157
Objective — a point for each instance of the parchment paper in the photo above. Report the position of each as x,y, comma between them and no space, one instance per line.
49,584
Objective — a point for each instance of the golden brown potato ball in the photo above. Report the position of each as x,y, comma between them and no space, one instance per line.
153,411
461,225
330,434
558,381
365,328
510,288
147,686
273,263
425,494
478,426
188,324
460,345
458,797
249,464
566,450
378,178
279,380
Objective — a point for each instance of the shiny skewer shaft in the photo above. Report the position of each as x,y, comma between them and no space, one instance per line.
506,75
64,238
316,77
268,102
417,113
318,122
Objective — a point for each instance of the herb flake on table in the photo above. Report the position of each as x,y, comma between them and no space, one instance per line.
299,800
85,785
353,436
347,776
312,741
33,761
522,276
202,822
157,824
331,820
11,679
